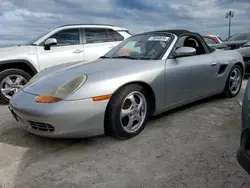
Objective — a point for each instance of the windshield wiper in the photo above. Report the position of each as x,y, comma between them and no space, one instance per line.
127,57
26,45
123,57
105,57
145,58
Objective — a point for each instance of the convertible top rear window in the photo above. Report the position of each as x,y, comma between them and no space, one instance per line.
143,46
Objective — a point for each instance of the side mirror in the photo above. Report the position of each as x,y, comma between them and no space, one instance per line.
185,51
49,42
247,44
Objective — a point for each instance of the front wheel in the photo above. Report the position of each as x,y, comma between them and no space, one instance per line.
234,82
127,112
11,81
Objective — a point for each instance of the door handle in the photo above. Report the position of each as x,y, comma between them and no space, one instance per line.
214,64
78,51
111,47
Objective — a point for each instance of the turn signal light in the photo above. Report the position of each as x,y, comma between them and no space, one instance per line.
101,98
47,99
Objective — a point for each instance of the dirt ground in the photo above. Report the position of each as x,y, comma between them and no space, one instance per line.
194,146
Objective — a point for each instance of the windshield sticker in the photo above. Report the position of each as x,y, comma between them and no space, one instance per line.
159,38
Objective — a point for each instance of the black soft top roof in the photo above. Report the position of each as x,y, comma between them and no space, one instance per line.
177,32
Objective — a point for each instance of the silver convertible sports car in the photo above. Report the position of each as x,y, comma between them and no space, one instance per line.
145,75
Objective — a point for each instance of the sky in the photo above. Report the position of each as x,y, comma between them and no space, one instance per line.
22,20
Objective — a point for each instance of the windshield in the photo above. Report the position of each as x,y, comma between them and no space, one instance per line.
143,46
241,36
36,38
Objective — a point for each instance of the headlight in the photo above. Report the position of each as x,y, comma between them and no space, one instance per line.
63,91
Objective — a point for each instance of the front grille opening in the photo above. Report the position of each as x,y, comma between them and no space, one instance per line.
41,126
246,59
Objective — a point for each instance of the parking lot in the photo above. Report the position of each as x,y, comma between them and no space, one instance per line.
193,146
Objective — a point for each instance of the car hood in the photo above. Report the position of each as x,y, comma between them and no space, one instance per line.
58,75
8,53
11,48
235,43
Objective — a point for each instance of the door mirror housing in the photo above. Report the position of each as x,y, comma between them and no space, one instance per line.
184,51
49,42
247,44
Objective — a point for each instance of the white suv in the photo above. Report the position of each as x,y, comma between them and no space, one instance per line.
69,43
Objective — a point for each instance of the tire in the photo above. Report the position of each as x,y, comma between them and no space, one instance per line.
227,91
114,124
11,73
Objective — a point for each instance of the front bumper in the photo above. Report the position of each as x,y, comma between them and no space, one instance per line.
243,153
64,119
247,64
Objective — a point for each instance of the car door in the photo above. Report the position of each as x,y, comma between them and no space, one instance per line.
69,48
189,77
99,41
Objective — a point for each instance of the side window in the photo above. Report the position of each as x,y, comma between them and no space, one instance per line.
95,35
67,37
189,41
209,41
113,35
180,42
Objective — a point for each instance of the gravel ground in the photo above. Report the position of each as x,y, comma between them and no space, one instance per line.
194,147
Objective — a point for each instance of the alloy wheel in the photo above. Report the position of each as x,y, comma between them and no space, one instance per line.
133,112
12,84
235,80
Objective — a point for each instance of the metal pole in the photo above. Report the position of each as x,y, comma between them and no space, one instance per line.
229,15
229,29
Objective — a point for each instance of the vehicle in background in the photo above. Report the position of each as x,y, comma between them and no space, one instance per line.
241,43
243,153
146,74
237,40
221,46
215,41
65,44
212,39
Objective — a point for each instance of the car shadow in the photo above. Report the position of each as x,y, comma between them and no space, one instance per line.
190,106
2,104
18,137
31,150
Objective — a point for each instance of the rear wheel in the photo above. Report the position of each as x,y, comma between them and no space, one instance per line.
11,81
234,82
127,112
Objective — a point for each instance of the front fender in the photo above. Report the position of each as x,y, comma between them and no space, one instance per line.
23,61
105,83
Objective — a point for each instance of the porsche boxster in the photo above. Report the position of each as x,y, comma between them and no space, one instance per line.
146,74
